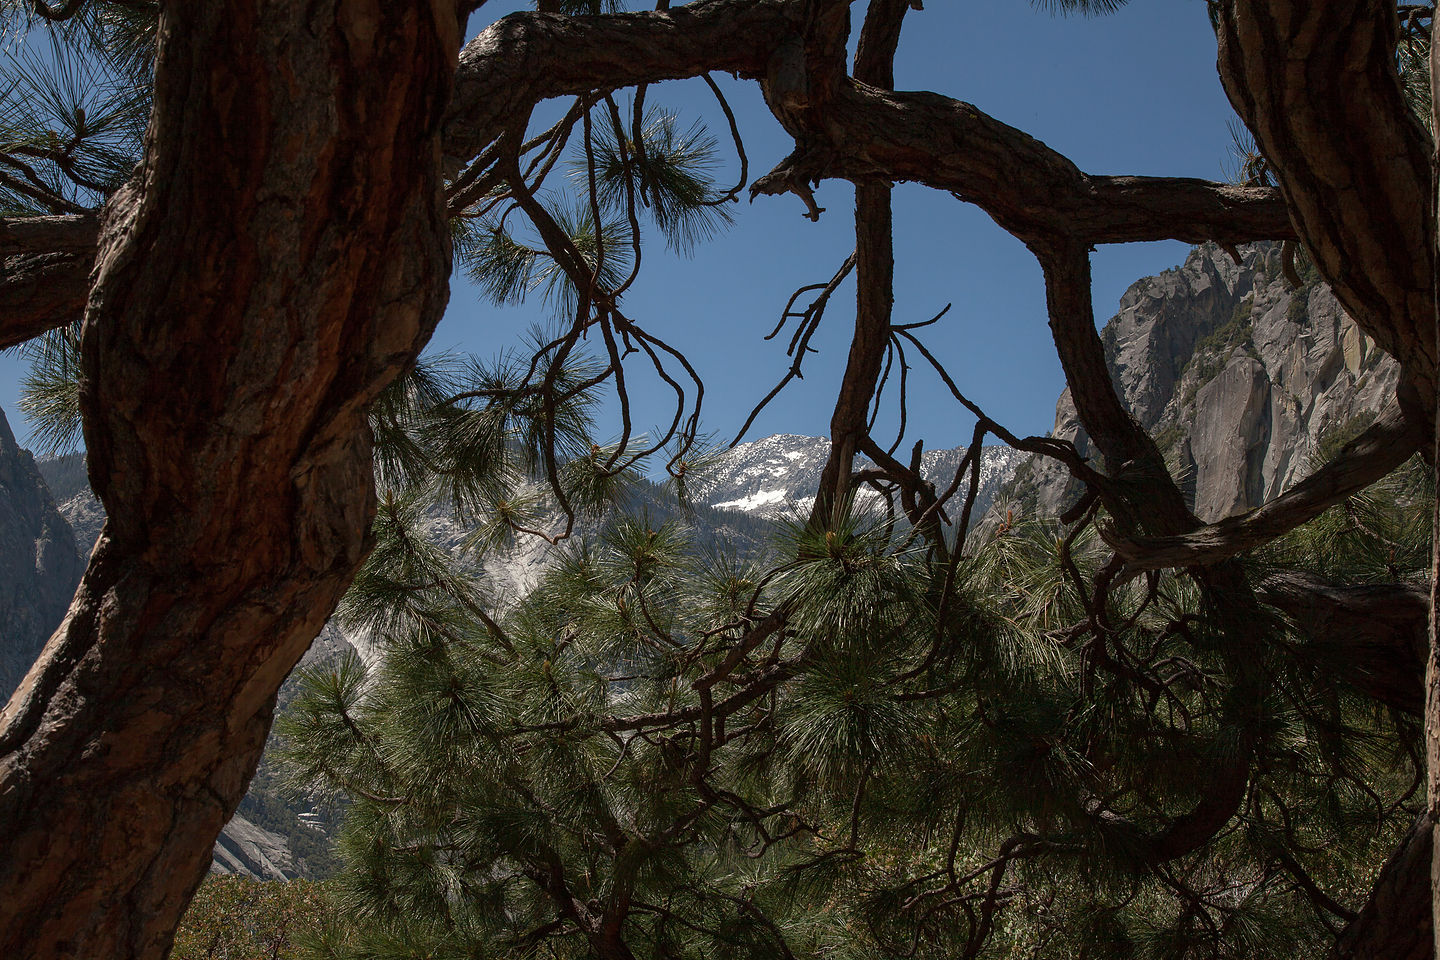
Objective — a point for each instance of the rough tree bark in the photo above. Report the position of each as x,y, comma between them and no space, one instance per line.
1316,84
225,400
874,282
1429,823
1395,923
229,355
45,273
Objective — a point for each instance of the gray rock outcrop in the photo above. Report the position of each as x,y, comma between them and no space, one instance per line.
70,486
1243,381
251,851
1232,429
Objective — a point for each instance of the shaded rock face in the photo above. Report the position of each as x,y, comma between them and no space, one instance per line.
1231,429
70,486
1160,323
1240,378
39,565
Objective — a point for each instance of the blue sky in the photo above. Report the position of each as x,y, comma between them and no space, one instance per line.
1132,93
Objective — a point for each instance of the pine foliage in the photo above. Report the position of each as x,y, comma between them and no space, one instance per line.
74,100
665,751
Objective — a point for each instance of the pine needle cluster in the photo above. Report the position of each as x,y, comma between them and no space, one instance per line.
669,752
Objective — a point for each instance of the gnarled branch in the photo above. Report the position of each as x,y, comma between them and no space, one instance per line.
41,292
1388,443
1372,634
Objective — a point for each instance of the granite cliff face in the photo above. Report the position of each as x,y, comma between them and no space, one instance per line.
39,565
1241,379
248,850
70,486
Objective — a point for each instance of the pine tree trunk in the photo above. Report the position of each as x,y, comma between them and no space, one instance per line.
281,255
1316,84
1432,718
1394,923
1432,666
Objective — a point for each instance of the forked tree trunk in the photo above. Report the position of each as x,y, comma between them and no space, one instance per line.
1394,923
280,256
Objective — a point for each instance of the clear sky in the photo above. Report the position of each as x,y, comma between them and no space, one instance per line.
1132,93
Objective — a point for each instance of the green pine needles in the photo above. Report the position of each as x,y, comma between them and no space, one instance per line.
74,100
664,752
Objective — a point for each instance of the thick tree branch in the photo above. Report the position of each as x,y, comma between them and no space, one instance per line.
41,292
874,286
528,57
45,273
874,294
1029,189
1395,923
879,39
862,132
1389,442
867,133
1371,636
1140,493
60,234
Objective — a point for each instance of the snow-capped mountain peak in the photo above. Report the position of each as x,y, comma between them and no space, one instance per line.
778,475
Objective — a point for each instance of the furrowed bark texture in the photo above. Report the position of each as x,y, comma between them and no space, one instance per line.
56,234
45,276
1316,84
229,356
42,291
1430,822
1395,922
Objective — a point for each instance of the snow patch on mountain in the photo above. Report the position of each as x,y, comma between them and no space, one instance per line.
778,475
755,502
